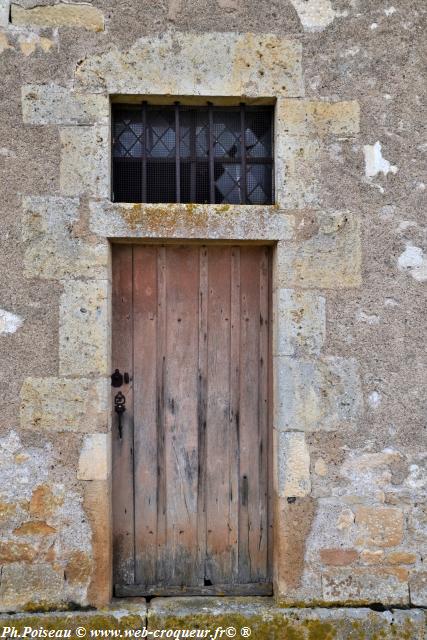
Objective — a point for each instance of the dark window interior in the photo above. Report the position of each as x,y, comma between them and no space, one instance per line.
220,155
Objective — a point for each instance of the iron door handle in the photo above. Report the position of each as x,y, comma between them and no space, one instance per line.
120,408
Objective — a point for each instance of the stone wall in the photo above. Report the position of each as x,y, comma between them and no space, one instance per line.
349,279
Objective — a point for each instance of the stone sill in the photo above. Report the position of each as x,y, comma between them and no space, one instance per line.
261,615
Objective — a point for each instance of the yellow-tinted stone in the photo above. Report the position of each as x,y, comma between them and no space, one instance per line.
59,15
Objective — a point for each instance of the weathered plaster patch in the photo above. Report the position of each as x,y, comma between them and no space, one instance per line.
374,399
9,322
374,161
414,261
237,65
315,15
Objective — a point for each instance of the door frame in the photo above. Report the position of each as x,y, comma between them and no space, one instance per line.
244,589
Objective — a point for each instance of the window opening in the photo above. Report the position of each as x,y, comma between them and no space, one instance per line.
217,155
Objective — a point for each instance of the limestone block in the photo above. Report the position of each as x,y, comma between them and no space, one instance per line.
97,505
297,171
60,404
379,526
4,12
222,222
365,585
418,586
318,118
84,319
53,104
84,166
299,323
293,465
315,15
330,259
321,395
267,620
24,583
52,247
95,457
198,64
79,15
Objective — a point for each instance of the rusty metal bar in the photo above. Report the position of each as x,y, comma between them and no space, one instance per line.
177,154
211,156
243,155
144,153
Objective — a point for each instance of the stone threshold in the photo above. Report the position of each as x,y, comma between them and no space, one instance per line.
222,616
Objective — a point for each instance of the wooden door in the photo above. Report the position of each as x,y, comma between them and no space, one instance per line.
191,467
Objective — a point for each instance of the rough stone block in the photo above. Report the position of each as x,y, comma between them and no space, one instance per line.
297,171
330,259
238,64
12,551
84,328
321,395
300,322
318,118
80,15
222,222
84,166
53,248
53,104
293,465
95,457
60,404
379,526
365,586
24,583
418,587
338,557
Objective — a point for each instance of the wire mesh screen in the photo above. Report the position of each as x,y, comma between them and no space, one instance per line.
221,155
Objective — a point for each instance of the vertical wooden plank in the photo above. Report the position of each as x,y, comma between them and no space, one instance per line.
145,421
123,510
202,409
218,549
249,415
234,417
162,554
261,572
270,501
181,433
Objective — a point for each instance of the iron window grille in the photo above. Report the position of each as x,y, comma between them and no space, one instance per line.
218,155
